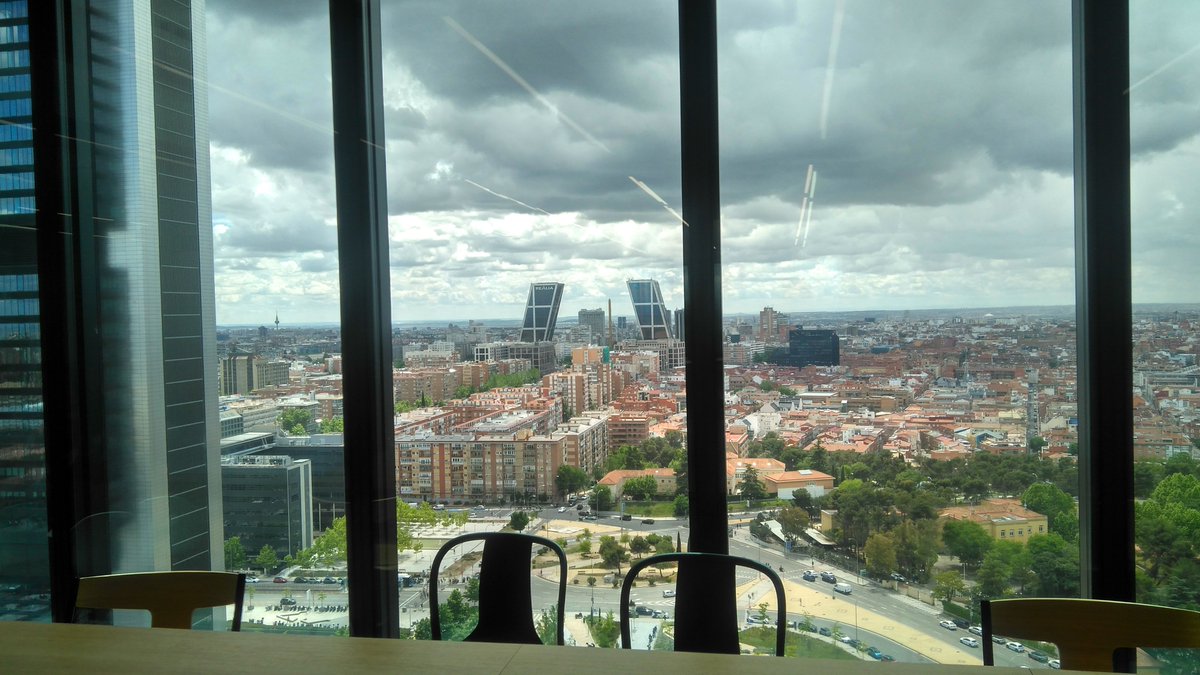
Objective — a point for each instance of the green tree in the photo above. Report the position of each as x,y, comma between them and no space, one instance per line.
1146,475
1056,565
518,521
547,625
880,552
641,488
639,546
658,453
948,585
626,457
337,425
601,498
235,554
267,559
585,547
612,553
1036,445
750,487
463,391
403,407
966,540
1058,507
570,479
992,578
793,521
680,507
291,418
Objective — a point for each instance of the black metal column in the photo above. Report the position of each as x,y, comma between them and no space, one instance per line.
702,274
366,316
1103,296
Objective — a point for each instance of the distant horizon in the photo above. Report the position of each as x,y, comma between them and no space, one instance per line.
571,318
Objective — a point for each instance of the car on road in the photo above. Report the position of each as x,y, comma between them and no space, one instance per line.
975,630
647,521
896,576
962,623
828,577
947,624
842,588
887,657
287,602
1038,656
279,580
1055,664
669,593
252,580
825,631
562,509
1015,646
969,641
329,580
846,639
810,575
642,610
874,653
626,517
999,640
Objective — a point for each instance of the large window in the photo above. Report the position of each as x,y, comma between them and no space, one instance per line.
897,322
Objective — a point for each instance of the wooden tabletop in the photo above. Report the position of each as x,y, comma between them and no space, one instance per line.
55,648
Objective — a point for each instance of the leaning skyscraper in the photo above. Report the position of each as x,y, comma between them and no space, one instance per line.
652,315
541,311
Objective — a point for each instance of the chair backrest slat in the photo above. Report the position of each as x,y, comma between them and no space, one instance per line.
1087,632
170,597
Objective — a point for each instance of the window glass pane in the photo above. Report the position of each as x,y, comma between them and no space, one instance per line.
24,566
899,299
278,389
1165,83
533,154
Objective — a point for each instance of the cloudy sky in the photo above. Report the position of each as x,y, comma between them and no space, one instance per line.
938,133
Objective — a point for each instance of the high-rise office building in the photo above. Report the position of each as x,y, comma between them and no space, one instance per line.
595,321
653,318
680,332
541,312
23,526
769,322
813,348
154,260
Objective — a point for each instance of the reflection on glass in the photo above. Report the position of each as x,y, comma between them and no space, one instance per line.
532,148
24,567
1166,318
898,276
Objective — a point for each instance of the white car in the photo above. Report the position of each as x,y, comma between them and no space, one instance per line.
975,630
669,593
948,625
969,641
1015,646
562,509
1055,664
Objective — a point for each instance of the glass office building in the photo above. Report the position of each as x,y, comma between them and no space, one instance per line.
653,317
541,312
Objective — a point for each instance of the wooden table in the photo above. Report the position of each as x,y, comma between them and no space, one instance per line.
61,648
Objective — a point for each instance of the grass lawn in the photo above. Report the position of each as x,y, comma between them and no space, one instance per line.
650,509
763,640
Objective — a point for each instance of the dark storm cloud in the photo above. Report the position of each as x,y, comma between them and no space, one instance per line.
271,12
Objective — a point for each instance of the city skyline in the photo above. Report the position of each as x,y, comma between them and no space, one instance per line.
492,183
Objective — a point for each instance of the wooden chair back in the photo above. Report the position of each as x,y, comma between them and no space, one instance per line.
170,597
1087,632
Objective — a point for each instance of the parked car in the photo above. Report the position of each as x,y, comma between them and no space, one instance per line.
961,623
1038,656
887,657
647,521
999,640
329,580
825,631
969,641
846,639
669,593
287,602
562,509
947,624
829,577
976,630
896,576
874,653
1055,664
1015,646
279,580
810,575
642,610
626,517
